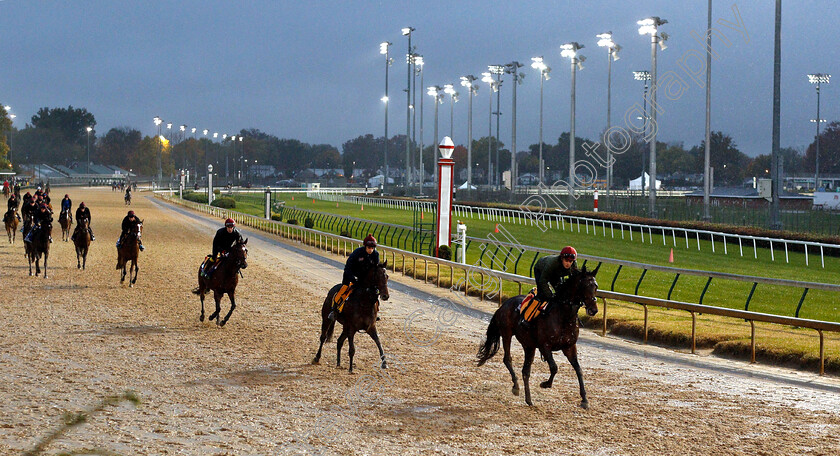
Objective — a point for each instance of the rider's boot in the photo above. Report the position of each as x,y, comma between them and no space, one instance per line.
92,237
140,243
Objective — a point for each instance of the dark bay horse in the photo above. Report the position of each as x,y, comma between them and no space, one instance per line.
224,280
557,329
11,222
81,239
359,314
39,246
128,199
129,250
66,222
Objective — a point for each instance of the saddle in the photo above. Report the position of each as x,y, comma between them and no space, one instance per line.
341,296
531,307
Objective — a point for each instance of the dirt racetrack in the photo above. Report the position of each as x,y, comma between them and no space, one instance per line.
249,388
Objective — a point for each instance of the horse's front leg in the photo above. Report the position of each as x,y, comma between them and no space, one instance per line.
29,257
217,297
351,350
340,343
571,355
46,255
232,306
526,372
136,269
373,335
552,366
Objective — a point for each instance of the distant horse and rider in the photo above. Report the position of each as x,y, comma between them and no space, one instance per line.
37,240
129,247
81,240
220,271
556,329
356,307
65,219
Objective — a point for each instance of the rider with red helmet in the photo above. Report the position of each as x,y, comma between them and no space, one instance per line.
357,265
552,270
129,224
224,239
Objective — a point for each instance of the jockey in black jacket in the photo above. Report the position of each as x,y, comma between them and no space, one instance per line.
83,212
222,242
129,224
358,263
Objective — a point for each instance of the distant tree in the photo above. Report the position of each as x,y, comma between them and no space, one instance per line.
829,151
117,146
72,123
729,163
5,126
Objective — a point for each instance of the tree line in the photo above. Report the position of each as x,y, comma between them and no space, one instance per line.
61,136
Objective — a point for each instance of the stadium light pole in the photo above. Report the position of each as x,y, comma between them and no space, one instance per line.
570,51
605,40
88,129
157,121
224,138
488,78
11,134
512,68
650,26
775,221
818,79
205,131
418,62
468,81
406,31
643,76
538,64
449,89
498,70
384,50
437,93
707,152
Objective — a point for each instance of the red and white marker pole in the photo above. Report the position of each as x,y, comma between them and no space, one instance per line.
596,200
446,166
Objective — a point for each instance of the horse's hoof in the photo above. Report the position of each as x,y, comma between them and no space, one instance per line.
201,318
223,323
545,384
528,401
515,390
584,405
316,361
384,365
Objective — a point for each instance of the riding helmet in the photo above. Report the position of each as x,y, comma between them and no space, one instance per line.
82,204
568,252
370,241
230,222
131,213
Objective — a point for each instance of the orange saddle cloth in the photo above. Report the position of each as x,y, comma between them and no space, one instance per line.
531,307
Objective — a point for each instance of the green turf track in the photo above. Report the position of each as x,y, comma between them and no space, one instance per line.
820,305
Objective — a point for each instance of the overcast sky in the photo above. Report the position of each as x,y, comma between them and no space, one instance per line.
311,69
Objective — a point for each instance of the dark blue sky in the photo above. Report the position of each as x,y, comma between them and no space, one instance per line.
312,70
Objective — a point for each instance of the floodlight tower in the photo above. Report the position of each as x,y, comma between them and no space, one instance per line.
817,79
538,64
650,26
418,64
498,70
643,76
468,81
383,49
437,93
570,51
406,31
449,89
605,40
488,78
512,68
157,121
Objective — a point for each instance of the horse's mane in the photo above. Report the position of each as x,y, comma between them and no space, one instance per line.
561,295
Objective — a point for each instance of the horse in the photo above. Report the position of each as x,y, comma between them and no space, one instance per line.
40,245
129,250
81,239
556,330
66,222
359,314
224,280
128,199
11,221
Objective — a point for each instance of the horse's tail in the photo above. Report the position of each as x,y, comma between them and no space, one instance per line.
491,342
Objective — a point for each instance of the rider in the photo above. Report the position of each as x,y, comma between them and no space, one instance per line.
552,270
41,217
17,189
224,239
66,204
128,193
29,208
83,212
130,223
26,197
12,204
357,265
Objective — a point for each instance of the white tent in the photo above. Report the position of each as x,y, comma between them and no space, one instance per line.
376,181
636,184
464,186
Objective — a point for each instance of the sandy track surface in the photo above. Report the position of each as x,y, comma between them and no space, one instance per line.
248,388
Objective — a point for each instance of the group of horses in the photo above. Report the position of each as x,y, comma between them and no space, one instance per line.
39,247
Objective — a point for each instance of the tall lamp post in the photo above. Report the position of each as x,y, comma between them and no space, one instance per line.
224,138
88,129
169,133
205,131
512,68
818,78
11,135
195,157
488,78
643,76
183,129
605,40
157,121
468,81
383,49
406,31
498,70
650,26
775,221
707,152
418,62
449,89
437,93
538,64
570,51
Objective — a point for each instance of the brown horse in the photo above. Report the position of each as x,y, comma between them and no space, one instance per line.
66,222
359,314
224,280
40,245
11,221
556,329
128,199
81,239
129,250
